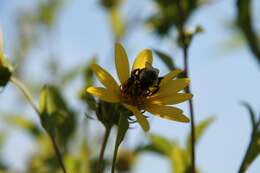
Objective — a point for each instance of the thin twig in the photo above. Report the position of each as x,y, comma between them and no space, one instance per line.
57,152
188,90
102,151
25,92
29,98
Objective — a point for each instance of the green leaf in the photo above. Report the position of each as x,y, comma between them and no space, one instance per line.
123,126
24,123
199,131
117,23
161,144
56,117
179,159
251,113
166,59
244,21
69,75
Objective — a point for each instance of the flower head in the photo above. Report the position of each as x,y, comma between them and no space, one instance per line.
142,89
5,67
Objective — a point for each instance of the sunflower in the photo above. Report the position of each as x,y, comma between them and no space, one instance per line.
155,98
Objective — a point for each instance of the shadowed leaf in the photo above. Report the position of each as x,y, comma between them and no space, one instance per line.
244,21
166,59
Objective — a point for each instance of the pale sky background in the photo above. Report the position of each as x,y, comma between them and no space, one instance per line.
221,77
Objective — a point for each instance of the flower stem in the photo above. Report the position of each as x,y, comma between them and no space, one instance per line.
114,159
57,153
185,46
102,151
25,92
29,98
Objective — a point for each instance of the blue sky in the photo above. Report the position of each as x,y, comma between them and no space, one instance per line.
221,77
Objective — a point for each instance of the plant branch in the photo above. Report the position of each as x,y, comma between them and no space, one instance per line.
29,98
57,152
185,46
102,151
25,92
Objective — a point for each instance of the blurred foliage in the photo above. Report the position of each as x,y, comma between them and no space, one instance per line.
244,22
118,24
61,120
31,26
179,157
56,117
168,16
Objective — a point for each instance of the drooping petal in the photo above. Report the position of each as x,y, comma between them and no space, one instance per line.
121,62
173,86
139,116
169,99
167,112
145,56
1,47
105,78
104,94
170,76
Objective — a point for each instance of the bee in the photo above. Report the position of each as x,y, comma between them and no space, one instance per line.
143,82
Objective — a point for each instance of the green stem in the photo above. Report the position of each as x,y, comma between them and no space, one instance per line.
25,92
102,151
57,153
29,98
188,90
114,159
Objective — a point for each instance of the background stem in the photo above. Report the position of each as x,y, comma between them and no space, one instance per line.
102,151
57,153
29,98
185,46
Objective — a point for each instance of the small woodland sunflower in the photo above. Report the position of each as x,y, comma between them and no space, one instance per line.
142,89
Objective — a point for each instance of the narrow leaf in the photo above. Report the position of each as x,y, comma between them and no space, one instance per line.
166,59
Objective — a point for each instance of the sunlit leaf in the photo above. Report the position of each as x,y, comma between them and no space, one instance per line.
199,129
179,159
24,123
162,144
117,23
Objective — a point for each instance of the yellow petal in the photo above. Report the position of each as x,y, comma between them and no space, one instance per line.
167,112
145,56
170,76
104,94
173,86
105,78
1,47
169,99
122,64
139,116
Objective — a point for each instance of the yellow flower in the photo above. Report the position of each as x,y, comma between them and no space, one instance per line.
1,49
5,67
136,93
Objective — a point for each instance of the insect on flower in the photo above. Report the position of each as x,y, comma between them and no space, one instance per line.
142,89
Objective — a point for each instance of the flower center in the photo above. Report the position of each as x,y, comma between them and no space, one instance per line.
142,84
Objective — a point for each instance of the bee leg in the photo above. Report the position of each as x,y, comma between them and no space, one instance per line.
159,80
156,90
